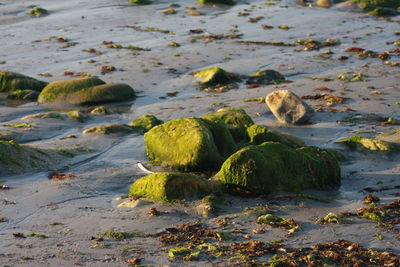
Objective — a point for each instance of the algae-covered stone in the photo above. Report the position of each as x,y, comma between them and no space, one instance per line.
23,95
237,120
101,110
140,2
188,144
112,128
287,107
77,115
379,7
170,186
45,115
259,134
216,2
367,144
273,167
266,77
15,158
213,76
85,91
11,81
145,123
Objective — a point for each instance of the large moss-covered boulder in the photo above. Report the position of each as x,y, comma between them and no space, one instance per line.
85,91
145,123
169,186
237,120
365,144
213,76
259,134
266,77
272,166
11,81
189,144
216,2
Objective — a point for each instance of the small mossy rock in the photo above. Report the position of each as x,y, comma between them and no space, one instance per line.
169,186
77,115
145,123
85,91
379,7
216,2
287,107
23,95
11,81
392,136
266,77
368,144
38,12
101,110
213,76
185,144
259,134
272,166
140,2
45,115
236,119
15,158
112,128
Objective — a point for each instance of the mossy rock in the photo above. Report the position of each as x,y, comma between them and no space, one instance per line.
237,120
145,123
259,134
273,166
85,91
23,95
364,144
38,12
189,144
266,77
216,2
213,76
77,115
112,128
141,2
169,186
15,158
45,115
379,7
101,110
11,81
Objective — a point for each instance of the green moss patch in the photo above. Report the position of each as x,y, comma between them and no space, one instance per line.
259,134
216,2
266,77
169,186
236,119
368,144
145,123
11,81
189,144
379,7
84,91
112,128
213,76
273,167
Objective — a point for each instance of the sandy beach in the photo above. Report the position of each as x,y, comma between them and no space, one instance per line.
73,214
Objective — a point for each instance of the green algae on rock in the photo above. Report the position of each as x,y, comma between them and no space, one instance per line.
266,77
45,115
379,7
168,186
237,120
216,2
84,91
391,136
273,167
77,115
258,134
11,81
23,94
145,123
112,128
15,158
213,76
367,144
101,110
189,144
38,12
140,2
